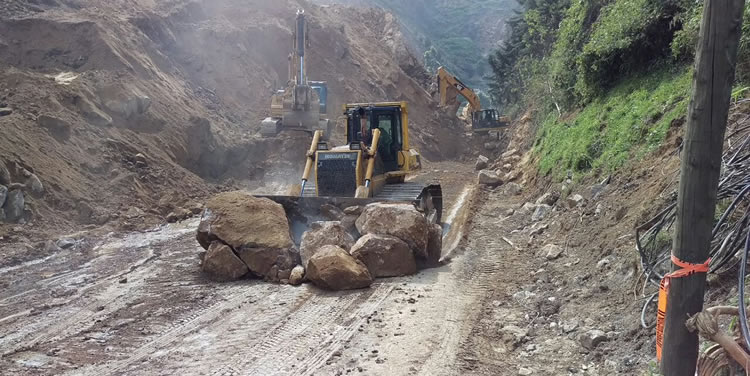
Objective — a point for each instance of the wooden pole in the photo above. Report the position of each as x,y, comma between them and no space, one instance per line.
699,175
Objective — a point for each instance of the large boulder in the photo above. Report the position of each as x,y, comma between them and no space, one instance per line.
221,263
272,264
256,229
335,269
384,255
400,220
321,234
13,206
242,221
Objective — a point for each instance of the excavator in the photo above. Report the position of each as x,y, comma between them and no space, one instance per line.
372,167
483,121
301,106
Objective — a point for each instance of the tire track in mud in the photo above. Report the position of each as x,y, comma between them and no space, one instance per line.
180,329
477,263
313,332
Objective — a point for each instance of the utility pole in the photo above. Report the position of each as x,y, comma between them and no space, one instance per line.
699,176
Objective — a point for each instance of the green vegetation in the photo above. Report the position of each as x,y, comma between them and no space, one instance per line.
604,78
629,120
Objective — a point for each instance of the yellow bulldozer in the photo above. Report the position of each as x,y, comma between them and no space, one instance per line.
482,120
301,105
372,167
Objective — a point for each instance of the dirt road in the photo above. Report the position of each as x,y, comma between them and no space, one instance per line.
138,305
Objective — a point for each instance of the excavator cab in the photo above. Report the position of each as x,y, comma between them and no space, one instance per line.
488,120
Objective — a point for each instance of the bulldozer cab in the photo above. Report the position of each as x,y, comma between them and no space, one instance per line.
487,120
388,119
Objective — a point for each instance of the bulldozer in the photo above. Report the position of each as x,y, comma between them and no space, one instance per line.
301,105
373,166
483,121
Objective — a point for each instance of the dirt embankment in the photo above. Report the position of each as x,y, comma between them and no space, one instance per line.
163,99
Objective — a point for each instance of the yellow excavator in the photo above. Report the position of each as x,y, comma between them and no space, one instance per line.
371,167
301,106
482,120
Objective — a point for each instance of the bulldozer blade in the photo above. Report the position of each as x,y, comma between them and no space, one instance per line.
302,211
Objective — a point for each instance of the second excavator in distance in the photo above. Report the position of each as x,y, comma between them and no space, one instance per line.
482,120
301,105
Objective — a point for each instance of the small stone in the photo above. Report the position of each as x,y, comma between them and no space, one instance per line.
14,206
513,335
297,276
574,201
509,153
481,163
66,243
525,371
549,198
591,339
552,251
509,212
603,263
124,280
140,158
513,189
540,212
507,167
5,111
570,327
599,209
487,177
529,207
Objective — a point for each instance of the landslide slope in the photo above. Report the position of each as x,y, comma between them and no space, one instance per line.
185,83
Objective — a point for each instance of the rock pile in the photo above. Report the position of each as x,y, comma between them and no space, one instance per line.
246,235
14,204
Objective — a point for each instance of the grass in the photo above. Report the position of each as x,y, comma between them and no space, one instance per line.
630,120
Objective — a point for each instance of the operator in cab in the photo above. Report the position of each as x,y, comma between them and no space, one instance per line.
363,128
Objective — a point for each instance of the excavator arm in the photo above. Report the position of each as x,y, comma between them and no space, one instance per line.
450,86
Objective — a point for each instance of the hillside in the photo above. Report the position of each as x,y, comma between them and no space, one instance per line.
456,34
154,104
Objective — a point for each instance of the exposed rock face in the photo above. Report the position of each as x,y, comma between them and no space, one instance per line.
384,255
273,264
321,234
243,221
400,220
334,269
221,263
487,177
13,206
